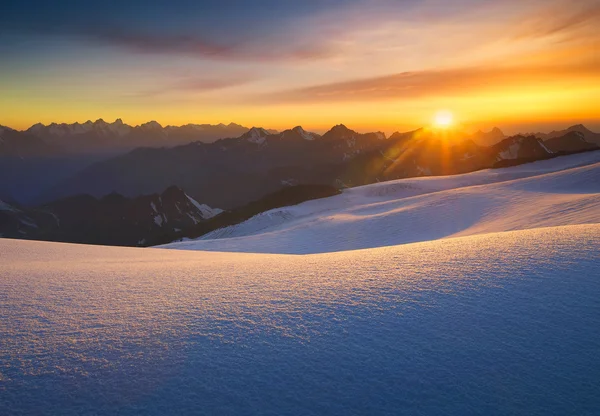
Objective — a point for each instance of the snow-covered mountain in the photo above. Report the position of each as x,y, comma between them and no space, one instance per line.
255,135
298,131
234,171
556,192
101,136
112,220
101,127
521,147
572,141
588,135
21,145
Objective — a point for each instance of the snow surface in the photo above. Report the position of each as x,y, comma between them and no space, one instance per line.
560,191
496,324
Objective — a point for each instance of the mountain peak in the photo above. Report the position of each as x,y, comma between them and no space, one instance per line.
256,135
173,192
340,127
578,127
151,125
339,131
4,128
298,131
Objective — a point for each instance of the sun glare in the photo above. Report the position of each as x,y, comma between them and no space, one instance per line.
443,119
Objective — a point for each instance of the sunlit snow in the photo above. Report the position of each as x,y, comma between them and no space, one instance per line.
491,321
561,191
494,324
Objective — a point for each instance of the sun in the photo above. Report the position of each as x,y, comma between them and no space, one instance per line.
443,119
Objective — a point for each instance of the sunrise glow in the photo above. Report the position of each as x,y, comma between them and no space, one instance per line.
506,64
443,119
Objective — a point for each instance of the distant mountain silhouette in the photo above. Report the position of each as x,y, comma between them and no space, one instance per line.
22,145
100,136
588,135
573,141
230,172
40,157
122,200
490,138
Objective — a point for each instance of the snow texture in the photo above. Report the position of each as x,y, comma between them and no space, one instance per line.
496,324
556,192
493,323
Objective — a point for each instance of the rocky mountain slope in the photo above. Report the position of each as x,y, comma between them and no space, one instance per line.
232,172
111,220
141,221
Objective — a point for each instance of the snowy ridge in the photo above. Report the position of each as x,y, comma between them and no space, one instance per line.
256,135
303,133
556,192
206,211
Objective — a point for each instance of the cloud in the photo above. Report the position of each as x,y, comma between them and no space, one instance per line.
190,85
445,82
562,18
205,47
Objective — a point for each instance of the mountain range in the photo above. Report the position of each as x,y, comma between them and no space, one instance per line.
110,220
141,221
229,173
100,136
41,156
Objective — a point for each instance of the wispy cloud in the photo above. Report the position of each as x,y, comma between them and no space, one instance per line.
562,18
205,46
194,85
446,82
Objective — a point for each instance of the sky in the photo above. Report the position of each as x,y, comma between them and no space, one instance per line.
370,64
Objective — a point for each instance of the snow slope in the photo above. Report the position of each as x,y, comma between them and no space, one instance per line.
560,191
495,324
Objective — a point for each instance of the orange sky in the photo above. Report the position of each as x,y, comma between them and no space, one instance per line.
516,64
